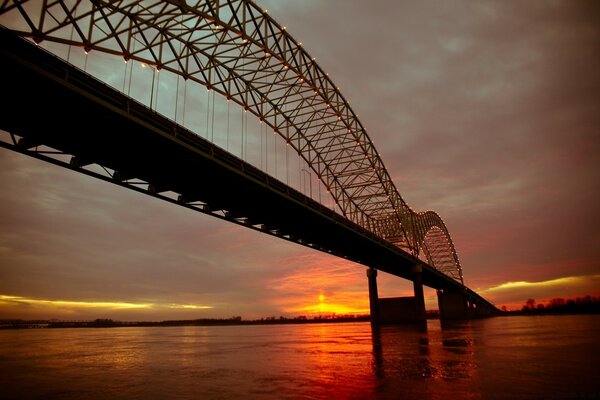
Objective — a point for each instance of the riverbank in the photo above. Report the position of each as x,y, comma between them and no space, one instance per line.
109,323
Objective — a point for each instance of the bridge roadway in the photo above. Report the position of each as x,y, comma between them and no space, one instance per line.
49,102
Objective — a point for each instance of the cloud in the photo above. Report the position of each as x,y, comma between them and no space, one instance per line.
12,307
488,114
71,304
320,283
102,242
514,294
189,306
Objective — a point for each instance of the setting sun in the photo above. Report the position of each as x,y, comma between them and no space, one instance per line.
339,304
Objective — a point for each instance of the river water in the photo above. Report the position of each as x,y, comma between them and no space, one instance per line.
547,357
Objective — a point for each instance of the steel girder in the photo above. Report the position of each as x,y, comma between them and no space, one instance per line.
238,50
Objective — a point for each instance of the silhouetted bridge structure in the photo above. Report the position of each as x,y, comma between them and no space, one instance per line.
58,113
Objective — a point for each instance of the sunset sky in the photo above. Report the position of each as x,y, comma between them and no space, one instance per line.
487,112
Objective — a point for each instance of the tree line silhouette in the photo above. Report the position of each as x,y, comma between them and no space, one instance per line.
578,305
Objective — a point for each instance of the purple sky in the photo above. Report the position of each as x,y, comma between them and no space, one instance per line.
487,112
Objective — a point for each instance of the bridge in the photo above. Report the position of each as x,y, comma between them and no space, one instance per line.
134,131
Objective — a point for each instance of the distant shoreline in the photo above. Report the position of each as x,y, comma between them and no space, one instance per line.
109,323
237,321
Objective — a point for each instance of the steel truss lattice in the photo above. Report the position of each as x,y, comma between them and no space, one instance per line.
241,52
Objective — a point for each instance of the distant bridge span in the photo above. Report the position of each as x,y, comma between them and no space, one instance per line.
239,51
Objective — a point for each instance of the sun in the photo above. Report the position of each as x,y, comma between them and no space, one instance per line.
327,305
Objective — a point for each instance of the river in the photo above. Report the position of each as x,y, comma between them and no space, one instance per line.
520,357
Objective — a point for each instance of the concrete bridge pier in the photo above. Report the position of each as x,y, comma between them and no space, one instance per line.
457,304
452,305
397,310
373,296
417,271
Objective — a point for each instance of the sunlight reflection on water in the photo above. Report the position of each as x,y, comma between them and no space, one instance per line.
516,357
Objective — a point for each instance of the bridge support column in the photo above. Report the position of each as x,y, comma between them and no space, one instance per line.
453,305
458,304
403,310
373,296
420,314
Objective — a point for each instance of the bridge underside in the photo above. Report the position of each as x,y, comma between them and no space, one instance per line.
56,105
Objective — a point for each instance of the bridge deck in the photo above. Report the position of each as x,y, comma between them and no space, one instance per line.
58,105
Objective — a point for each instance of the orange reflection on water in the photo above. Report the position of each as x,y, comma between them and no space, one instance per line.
509,357
334,360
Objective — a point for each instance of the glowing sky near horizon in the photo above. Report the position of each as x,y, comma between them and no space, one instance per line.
487,112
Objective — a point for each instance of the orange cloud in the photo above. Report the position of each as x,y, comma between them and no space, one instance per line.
322,284
514,294
35,308
7,300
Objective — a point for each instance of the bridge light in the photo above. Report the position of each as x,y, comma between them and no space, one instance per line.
143,65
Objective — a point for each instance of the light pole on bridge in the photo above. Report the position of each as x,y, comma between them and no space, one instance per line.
309,181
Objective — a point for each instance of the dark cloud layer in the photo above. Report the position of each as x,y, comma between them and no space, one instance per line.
486,112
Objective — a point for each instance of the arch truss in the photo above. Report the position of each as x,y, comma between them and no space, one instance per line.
237,49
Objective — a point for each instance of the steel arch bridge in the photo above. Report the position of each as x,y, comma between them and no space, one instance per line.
238,50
